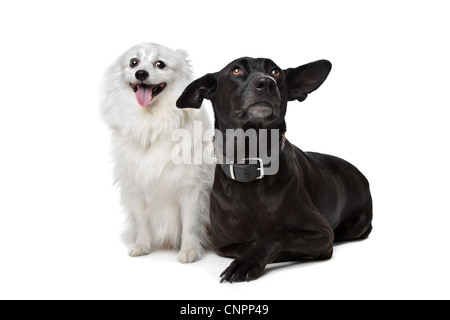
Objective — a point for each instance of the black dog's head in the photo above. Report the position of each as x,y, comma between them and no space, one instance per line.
253,93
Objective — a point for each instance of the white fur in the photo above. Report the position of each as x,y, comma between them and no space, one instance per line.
168,204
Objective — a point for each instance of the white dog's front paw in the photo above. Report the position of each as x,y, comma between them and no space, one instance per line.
138,250
188,255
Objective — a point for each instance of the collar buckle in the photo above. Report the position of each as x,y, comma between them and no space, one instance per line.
246,172
232,170
261,166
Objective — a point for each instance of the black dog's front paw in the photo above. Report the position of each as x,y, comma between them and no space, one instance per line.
242,270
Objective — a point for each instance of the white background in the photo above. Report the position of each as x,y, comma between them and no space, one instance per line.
384,108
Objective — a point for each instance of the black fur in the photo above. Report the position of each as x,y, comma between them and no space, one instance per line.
314,199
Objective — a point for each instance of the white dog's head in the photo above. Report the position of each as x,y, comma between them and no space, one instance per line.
146,77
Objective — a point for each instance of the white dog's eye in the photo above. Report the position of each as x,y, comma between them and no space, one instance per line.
160,65
134,62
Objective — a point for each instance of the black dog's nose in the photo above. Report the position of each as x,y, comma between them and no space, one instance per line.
266,84
141,75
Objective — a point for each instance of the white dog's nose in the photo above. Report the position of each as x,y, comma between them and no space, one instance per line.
141,75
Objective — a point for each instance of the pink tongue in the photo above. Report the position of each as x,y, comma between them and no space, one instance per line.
144,95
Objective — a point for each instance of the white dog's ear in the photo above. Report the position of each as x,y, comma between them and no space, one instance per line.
183,53
203,88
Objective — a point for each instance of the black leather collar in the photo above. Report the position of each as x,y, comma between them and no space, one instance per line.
244,172
250,171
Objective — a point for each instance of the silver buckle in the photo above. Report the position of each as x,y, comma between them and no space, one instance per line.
232,170
261,166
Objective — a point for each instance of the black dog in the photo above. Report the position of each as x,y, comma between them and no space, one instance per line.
296,214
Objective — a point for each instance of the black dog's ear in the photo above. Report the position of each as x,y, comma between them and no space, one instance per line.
307,78
202,88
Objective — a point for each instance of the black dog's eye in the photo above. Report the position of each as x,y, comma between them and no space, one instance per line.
237,71
134,62
160,65
276,72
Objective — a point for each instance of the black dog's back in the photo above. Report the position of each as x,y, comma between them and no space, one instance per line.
346,202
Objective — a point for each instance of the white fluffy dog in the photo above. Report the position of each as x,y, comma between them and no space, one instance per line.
168,204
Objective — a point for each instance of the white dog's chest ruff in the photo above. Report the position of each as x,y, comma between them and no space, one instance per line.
143,165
